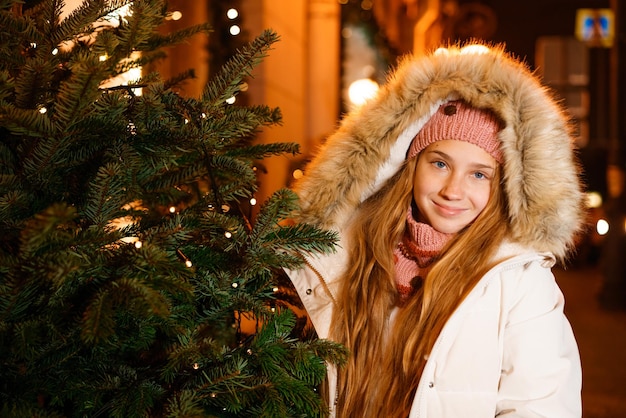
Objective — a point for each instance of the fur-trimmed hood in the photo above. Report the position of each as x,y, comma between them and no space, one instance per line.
541,174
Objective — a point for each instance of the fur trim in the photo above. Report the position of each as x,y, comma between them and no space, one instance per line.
541,174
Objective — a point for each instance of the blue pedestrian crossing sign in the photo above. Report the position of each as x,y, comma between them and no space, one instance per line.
595,27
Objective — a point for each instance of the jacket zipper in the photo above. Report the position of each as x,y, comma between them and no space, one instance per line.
322,281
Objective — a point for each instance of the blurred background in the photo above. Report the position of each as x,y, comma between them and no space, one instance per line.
333,54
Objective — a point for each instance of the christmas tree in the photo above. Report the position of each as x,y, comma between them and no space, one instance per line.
128,255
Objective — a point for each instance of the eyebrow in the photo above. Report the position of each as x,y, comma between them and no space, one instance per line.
474,165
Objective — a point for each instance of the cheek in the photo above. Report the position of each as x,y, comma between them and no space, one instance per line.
481,198
420,188
421,181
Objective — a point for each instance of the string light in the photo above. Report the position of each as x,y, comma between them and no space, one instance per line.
232,14
138,244
227,234
235,30
231,100
42,110
235,285
196,366
183,257
253,201
172,209
176,15
55,51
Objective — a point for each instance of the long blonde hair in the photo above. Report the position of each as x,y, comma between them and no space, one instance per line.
385,365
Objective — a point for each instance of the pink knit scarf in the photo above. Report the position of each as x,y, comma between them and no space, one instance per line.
419,247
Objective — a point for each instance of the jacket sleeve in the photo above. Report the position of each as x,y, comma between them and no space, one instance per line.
541,373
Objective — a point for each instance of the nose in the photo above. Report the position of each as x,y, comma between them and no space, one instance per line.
452,188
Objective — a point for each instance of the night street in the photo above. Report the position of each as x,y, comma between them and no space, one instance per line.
601,336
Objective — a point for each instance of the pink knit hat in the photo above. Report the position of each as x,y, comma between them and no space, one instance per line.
457,120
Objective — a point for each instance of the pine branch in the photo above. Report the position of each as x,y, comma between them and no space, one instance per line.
107,195
136,30
261,151
157,41
15,30
30,123
77,94
227,82
81,21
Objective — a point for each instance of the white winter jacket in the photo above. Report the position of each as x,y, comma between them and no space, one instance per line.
507,350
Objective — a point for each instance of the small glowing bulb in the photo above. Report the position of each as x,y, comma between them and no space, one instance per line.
594,199
232,13
275,289
231,100
362,90
203,116
172,209
253,201
188,263
235,30
602,226
297,174
55,51
138,244
227,234
103,58
235,285
33,45
43,110
196,366
225,208
186,121
177,15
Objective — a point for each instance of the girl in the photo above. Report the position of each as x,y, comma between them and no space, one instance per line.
453,192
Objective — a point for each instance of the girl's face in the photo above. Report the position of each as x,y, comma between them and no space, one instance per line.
452,184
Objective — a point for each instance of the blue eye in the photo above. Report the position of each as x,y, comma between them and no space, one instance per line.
440,164
480,175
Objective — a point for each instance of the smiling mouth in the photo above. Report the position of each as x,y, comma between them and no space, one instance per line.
449,211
